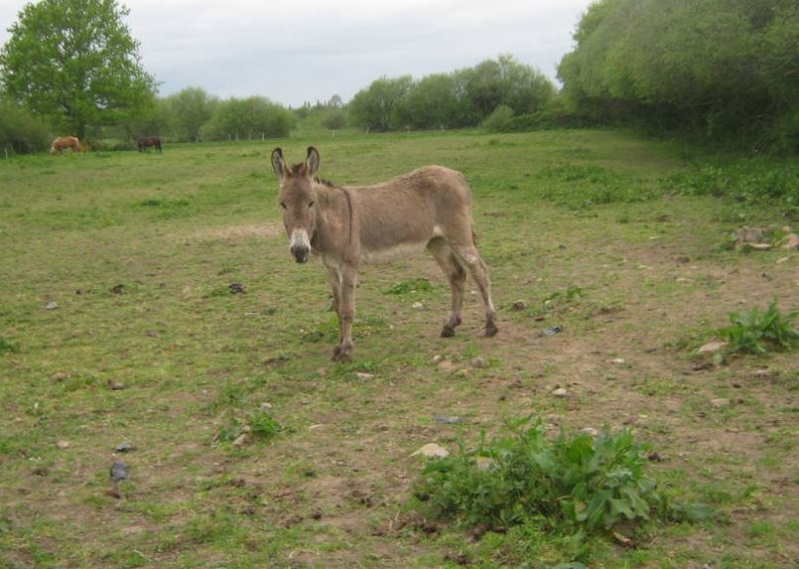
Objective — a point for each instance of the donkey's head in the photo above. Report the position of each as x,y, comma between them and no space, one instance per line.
298,199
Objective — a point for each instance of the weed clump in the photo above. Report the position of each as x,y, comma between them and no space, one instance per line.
572,486
760,331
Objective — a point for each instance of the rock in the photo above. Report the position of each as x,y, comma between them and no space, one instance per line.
51,306
791,242
519,305
478,362
241,440
237,288
617,361
560,392
437,359
124,447
551,331
483,462
591,431
62,445
446,420
364,376
60,376
431,450
417,306
720,403
712,347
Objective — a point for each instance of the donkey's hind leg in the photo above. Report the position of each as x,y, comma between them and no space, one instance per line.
470,256
456,275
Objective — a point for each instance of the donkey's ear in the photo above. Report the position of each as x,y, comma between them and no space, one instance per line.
278,164
312,161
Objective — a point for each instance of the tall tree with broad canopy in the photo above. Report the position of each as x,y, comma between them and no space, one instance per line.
75,62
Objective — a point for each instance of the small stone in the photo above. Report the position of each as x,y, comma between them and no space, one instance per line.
712,347
265,407
363,376
591,431
51,306
437,359
114,385
478,362
417,306
431,450
124,447
791,242
519,305
241,440
62,445
560,392
60,376
720,402
617,361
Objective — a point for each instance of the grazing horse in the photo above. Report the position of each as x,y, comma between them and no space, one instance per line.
63,142
147,141
427,208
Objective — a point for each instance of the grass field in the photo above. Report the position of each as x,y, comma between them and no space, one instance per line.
118,324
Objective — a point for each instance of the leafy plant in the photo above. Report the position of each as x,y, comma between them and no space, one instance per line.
760,331
569,485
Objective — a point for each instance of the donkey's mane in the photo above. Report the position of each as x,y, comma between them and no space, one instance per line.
299,168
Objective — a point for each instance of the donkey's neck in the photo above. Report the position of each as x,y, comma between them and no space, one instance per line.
335,218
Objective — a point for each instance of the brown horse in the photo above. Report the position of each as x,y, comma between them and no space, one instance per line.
63,142
147,141
427,208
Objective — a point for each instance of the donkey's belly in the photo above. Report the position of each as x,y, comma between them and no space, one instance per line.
393,252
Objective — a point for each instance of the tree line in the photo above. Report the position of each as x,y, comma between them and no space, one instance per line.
724,71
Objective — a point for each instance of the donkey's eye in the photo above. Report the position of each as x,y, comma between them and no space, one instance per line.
310,205
283,205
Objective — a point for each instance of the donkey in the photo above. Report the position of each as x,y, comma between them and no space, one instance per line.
427,208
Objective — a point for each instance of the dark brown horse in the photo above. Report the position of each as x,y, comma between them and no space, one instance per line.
63,142
147,141
427,208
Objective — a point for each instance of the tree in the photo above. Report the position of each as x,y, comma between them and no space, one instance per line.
379,107
19,131
250,118
188,111
75,62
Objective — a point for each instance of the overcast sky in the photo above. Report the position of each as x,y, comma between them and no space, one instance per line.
293,52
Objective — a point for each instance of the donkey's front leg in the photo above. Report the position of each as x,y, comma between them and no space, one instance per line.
346,313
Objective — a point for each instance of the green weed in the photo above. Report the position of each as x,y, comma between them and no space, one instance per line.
568,485
760,331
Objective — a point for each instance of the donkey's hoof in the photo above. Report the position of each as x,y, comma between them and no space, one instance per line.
491,330
447,332
341,356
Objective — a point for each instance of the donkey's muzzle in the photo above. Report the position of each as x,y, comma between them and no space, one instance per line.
300,253
300,245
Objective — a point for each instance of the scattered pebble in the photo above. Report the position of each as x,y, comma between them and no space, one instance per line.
62,445
363,376
431,450
446,420
720,402
127,446
560,392
591,431
51,306
417,306
551,331
478,362
519,305
712,347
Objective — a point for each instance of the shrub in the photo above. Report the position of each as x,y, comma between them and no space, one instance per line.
760,331
569,485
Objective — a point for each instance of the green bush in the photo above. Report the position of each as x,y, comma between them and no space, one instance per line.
760,331
568,485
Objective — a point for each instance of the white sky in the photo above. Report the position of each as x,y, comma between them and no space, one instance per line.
293,52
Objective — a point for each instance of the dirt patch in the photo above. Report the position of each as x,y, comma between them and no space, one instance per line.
235,232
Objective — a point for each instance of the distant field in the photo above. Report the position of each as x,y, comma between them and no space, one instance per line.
118,323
